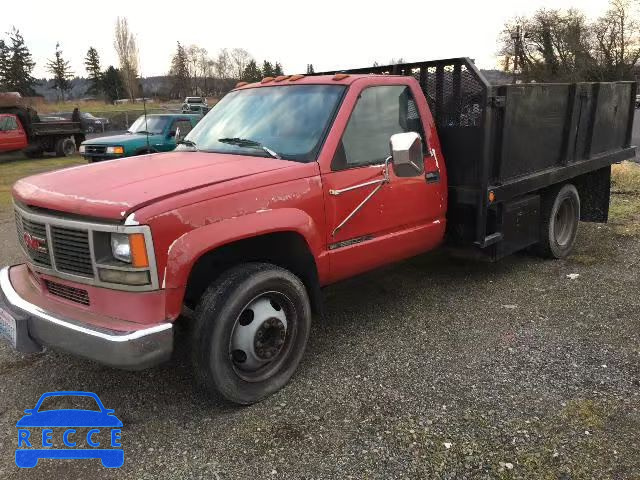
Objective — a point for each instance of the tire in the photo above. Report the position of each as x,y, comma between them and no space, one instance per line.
560,212
239,349
65,147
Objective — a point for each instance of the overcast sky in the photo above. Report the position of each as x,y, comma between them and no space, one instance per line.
330,34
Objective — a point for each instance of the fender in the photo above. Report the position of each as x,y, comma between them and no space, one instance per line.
187,249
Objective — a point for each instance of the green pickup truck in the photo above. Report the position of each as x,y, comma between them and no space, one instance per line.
150,134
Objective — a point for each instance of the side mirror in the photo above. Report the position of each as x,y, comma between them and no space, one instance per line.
171,134
406,154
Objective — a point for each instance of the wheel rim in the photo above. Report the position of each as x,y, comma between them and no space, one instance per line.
69,148
563,222
262,336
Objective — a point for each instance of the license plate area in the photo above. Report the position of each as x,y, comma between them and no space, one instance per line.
8,326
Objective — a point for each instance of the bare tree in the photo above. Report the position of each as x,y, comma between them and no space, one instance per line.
127,49
239,60
617,40
223,64
562,45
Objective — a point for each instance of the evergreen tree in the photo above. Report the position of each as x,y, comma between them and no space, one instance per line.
310,70
4,64
92,65
112,84
277,70
19,66
252,73
61,71
179,72
267,69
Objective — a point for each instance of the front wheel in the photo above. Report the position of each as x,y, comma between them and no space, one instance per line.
250,333
560,218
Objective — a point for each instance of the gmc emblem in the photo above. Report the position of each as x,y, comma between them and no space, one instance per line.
34,243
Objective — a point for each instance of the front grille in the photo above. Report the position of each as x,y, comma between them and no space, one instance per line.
71,251
95,149
37,232
73,294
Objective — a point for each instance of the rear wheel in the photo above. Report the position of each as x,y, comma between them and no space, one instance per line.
250,333
560,218
65,147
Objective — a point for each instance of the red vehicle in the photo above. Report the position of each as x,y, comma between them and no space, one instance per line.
21,129
292,184
12,135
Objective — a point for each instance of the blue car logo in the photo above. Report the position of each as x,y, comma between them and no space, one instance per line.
69,433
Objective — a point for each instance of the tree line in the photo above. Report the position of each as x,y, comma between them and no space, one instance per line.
193,72
564,46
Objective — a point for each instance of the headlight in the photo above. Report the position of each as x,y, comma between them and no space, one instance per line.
118,150
130,249
81,149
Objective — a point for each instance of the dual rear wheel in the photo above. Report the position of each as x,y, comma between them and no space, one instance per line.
560,213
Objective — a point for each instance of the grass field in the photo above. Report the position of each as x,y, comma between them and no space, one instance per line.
14,167
97,106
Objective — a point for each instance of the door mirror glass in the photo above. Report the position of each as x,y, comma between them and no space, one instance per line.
407,155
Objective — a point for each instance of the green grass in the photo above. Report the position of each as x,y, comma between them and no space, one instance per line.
13,167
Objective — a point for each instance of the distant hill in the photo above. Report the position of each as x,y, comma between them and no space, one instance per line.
79,85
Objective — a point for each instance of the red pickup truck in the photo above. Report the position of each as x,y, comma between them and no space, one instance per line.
291,184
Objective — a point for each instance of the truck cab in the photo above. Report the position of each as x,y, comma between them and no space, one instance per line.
12,134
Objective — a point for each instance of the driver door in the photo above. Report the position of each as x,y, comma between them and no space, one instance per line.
371,222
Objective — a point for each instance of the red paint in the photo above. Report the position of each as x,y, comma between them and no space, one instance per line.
12,139
196,202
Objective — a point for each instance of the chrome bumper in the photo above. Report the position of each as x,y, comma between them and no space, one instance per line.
36,327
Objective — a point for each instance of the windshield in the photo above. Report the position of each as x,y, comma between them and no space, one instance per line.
152,125
290,120
194,100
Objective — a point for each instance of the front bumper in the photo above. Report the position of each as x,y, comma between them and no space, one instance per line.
35,327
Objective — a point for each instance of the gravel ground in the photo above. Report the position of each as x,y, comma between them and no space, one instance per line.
434,368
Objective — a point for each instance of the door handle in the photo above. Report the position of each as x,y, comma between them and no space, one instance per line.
432,177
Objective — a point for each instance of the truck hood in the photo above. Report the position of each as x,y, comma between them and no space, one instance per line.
120,139
114,189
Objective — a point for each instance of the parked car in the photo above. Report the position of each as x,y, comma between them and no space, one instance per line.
148,134
286,187
89,122
195,104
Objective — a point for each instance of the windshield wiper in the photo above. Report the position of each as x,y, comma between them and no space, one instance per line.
188,143
245,142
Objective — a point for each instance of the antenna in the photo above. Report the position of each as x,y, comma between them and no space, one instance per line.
146,126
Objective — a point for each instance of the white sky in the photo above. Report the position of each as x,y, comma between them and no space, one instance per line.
330,34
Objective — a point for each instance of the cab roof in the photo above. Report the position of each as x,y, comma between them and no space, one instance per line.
338,78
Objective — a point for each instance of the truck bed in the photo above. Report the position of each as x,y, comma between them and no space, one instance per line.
504,142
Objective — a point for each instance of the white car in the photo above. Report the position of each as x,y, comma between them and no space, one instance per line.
194,104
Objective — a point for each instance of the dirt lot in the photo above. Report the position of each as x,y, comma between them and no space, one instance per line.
430,369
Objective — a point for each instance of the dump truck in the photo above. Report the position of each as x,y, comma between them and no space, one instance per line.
22,130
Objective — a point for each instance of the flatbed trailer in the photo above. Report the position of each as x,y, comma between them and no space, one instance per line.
503,144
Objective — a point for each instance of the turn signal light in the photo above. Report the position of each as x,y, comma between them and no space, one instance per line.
139,257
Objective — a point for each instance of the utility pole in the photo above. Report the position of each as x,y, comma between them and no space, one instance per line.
515,36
